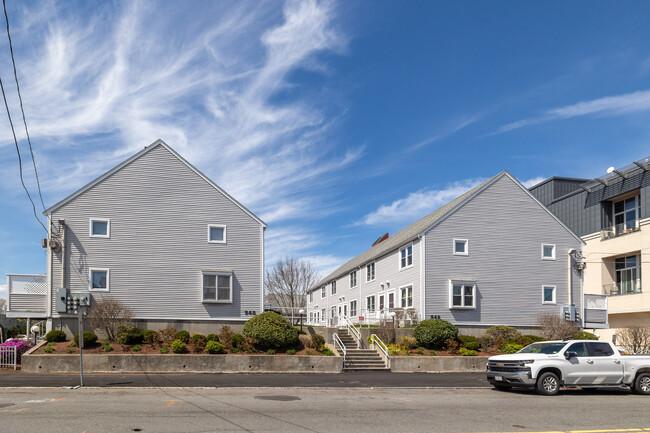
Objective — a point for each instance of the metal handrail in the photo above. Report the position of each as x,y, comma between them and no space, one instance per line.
339,343
353,330
374,339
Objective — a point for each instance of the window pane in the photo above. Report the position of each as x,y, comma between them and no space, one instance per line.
459,246
630,262
209,287
600,349
548,294
618,207
578,348
457,301
629,203
100,228
457,290
548,251
469,296
216,234
223,293
99,279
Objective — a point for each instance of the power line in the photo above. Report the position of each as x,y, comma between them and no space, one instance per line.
20,98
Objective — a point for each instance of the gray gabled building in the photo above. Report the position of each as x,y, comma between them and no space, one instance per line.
495,255
157,235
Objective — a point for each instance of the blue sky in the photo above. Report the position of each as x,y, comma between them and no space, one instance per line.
335,122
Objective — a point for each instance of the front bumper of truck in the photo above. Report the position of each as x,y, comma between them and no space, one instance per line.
509,374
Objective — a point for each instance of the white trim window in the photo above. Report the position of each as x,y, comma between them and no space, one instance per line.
353,308
548,295
370,303
217,287
99,228
323,292
548,251
406,296
353,279
333,287
626,214
370,272
406,257
462,294
311,297
461,247
99,280
216,234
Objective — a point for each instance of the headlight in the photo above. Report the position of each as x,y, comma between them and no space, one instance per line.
523,363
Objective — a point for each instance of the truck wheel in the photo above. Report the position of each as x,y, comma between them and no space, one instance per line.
548,384
642,384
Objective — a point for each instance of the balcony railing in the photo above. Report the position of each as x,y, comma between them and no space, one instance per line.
27,293
623,288
595,310
619,229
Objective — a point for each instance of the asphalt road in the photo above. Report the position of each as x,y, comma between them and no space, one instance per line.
275,380
317,410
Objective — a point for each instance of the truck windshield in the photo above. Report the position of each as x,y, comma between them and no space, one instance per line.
547,348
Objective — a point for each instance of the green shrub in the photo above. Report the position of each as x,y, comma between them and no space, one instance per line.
327,352
89,339
525,340
308,352
199,337
69,350
48,349
225,336
433,333
214,347
500,335
236,340
467,352
167,335
136,348
55,335
420,350
212,337
317,341
432,352
271,351
233,349
271,330
472,345
179,346
584,335
164,349
72,344
129,335
108,348
511,348
464,339
149,336
182,335
51,344
407,343
291,352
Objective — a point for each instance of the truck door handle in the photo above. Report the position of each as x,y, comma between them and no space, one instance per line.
589,361
617,361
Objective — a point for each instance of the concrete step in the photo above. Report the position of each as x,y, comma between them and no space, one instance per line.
366,369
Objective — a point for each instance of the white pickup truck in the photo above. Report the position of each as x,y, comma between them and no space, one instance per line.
548,365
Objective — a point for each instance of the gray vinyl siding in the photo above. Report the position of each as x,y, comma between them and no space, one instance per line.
505,228
386,269
20,302
159,210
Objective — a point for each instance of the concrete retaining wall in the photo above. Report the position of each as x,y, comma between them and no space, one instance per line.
133,363
437,364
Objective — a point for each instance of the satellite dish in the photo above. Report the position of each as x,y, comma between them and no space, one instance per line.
610,170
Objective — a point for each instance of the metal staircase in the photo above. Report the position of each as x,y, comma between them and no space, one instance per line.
355,358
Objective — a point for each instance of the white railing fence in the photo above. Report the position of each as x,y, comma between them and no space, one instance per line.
339,344
352,330
27,284
8,356
383,350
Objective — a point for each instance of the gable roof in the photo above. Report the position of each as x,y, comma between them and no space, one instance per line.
138,155
424,225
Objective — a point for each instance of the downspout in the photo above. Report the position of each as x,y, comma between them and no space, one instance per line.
63,251
570,275
50,295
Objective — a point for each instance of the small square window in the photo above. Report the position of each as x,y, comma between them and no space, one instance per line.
548,252
99,280
217,287
549,294
216,234
100,228
461,247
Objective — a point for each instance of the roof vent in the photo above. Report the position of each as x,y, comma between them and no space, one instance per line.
381,239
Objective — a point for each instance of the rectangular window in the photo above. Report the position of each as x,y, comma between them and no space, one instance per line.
370,272
353,279
549,294
548,252
322,292
217,287
353,308
461,247
462,294
406,297
323,316
216,234
381,302
311,297
627,214
100,228
391,300
600,349
333,287
628,275
99,280
406,257
370,304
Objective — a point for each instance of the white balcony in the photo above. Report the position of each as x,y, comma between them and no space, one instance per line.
27,295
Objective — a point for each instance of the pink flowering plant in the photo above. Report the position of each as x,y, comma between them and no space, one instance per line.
22,346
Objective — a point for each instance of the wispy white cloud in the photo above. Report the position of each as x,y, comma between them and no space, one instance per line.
450,130
417,204
611,105
532,182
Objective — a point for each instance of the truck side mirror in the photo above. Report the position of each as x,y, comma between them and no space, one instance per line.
569,355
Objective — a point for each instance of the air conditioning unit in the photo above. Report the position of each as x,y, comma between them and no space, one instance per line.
607,234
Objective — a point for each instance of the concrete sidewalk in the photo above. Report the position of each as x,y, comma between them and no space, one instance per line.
359,379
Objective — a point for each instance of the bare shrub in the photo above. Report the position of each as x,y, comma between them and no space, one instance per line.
225,336
635,339
554,327
305,340
167,335
107,315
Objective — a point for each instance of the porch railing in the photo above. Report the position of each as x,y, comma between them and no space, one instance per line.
352,331
619,229
339,345
623,288
374,340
